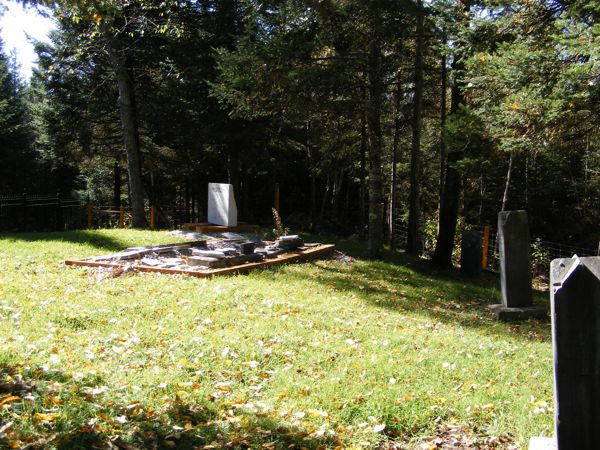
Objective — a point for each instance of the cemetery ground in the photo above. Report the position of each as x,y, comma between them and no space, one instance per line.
337,353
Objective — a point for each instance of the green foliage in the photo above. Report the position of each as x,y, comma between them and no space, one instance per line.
540,258
464,133
17,161
279,230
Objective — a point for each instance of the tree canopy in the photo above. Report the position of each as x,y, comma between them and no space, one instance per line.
369,114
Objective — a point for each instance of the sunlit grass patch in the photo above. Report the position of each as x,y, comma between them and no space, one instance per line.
319,354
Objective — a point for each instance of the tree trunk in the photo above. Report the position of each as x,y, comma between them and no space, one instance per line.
325,200
449,203
117,186
312,175
507,185
444,82
128,114
338,183
375,238
363,170
395,144
187,200
414,201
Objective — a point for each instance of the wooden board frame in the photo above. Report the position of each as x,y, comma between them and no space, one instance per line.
210,228
290,257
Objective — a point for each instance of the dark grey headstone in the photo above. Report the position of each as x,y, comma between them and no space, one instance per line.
515,268
575,307
470,253
515,258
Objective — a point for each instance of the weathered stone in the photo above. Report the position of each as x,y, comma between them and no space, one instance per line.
575,309
208,253
235,260
206,261
470,253
517,314
172,261
272,252
515,268
289,237
515,259
222,209
254,257
289,243
247,248
150,262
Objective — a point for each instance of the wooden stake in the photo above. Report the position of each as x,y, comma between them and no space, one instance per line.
486,243
152,217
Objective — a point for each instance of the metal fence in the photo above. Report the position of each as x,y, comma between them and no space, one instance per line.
34,212
542,252
164,217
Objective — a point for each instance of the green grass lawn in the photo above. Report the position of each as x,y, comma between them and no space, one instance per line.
327,354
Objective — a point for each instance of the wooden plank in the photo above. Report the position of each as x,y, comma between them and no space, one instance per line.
292,257
210,228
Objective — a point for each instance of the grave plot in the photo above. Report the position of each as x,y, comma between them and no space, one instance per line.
209,257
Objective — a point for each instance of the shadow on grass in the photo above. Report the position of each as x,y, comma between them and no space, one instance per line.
401,282
80,420
87,237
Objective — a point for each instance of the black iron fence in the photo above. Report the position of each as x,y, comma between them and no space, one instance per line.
34,212
542,252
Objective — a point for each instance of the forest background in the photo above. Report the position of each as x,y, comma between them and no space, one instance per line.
444,112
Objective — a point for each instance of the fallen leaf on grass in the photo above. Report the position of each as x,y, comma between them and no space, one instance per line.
9,399
223,387
43,417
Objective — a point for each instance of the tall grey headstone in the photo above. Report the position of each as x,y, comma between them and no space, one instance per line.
470,253
575,309
222,209
515,268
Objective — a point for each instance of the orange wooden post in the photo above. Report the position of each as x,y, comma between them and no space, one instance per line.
152,217
90,212
122,217
486,243
276,197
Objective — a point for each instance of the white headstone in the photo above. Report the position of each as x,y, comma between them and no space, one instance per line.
222,209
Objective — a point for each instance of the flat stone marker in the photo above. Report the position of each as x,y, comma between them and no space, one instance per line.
222,209
515,268
470,253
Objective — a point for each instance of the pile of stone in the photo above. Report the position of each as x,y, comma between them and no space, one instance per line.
209,254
